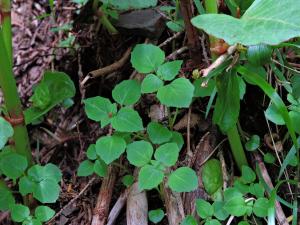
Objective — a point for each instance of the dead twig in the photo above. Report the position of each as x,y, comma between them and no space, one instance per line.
116,209
218,62
168,40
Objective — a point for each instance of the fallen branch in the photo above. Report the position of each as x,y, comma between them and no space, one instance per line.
281,218
218,62
116,209
103,201
113,67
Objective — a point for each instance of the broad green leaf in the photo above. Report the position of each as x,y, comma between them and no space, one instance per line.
128,180
269,158
128,92
167,154
183,179
127,120
26,186
179,93
61,87
248,175
259,70
110,148
158,133
178,139
139,153
204,91
189,220
130,4
19,212
13,165
149,177
41,97
295,118
274,115
151,83
36,173
227,106
204,209
155,216
257,25
6,197
253,143
99,109
219,211
146,58
236,206
260,207
86,168
91,152
46,191
212,177
6,131
44,213
169,70
100,168
212,222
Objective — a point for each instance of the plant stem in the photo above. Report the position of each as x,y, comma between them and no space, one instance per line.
211,6
105,22
233,134
9,87
236,147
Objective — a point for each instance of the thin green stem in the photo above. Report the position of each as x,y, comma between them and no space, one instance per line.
106,23
9,87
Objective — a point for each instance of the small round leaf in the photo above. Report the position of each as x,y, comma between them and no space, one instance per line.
139,153
151,83
183,179
110,148
146,58
44,213
155,216
127,92
19,212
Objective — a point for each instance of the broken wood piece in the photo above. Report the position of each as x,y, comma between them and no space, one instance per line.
104,198
113,67
116,209
137,206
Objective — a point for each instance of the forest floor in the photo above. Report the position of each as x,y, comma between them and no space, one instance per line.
42,42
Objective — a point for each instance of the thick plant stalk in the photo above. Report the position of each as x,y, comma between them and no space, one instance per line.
9,87
232,134
236,147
